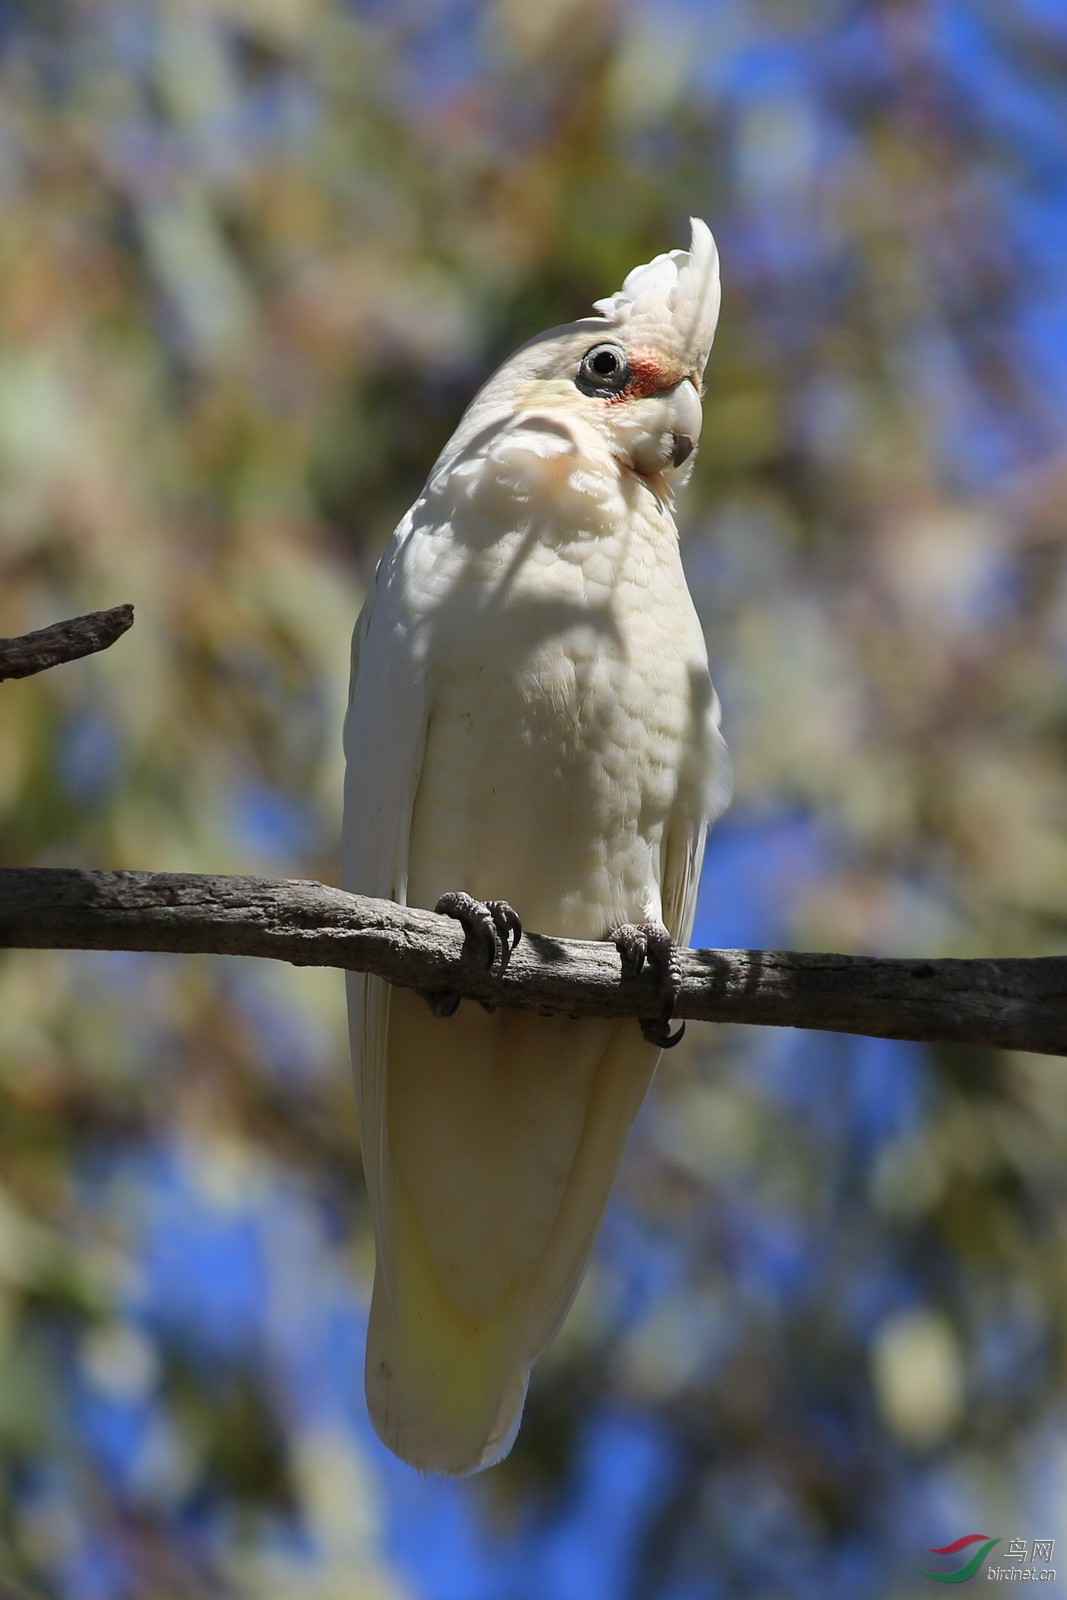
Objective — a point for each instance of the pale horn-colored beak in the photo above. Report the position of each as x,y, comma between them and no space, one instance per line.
678,417
666,428
686,415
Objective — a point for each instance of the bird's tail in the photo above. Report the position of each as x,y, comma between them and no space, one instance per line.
490,1156
442,1387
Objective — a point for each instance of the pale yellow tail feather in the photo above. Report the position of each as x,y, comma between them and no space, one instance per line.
488,1233
442,1389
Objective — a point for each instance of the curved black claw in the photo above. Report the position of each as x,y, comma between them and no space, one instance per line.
508,925
631,941
658,1032
489,925
444,1004
638,942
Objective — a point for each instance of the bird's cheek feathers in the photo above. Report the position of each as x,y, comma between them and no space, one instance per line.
649,433
537,469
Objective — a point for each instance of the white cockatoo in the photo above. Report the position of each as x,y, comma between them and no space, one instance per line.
531,717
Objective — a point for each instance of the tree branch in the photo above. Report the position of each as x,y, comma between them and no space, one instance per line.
1018,1004
63,641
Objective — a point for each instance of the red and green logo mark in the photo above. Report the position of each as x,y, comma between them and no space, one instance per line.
970,1566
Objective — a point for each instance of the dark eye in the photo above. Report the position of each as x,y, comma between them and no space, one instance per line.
604,370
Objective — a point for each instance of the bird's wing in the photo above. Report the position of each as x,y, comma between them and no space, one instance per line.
384,738
683,846
505,1134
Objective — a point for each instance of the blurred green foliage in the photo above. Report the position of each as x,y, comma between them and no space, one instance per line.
255,255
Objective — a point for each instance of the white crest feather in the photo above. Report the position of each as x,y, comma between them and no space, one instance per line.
676,295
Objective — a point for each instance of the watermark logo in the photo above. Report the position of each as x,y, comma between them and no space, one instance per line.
969,1567
1028,1562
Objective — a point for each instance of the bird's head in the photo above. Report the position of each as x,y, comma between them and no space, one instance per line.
628,381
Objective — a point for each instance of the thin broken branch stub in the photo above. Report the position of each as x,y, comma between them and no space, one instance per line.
29,653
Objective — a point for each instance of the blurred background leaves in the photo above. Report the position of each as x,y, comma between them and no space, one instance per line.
255,255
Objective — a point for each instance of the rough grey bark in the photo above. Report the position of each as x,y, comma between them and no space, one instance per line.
63,641
1018,1004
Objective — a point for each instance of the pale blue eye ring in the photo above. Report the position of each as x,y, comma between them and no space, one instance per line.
604,370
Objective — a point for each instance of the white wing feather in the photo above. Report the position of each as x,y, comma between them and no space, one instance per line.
384,738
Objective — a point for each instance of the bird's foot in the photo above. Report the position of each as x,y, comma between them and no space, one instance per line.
487,924
638,942
490,927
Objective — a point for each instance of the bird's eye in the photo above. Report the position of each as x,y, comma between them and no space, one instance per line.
604,370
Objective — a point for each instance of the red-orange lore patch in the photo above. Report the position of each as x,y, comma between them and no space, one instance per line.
648,375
